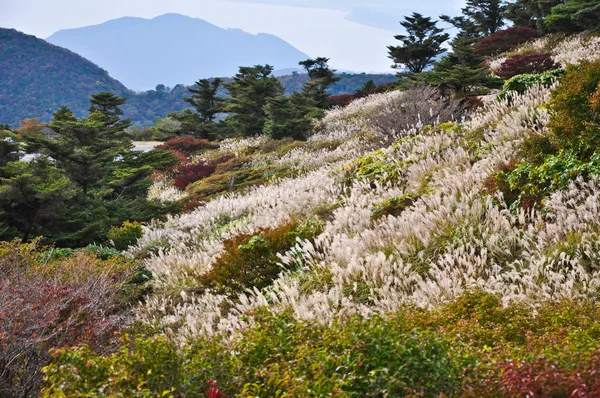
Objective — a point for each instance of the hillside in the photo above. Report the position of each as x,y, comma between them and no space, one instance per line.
38,77
172,49
408,247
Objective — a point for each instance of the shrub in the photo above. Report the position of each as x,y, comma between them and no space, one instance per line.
544,378
251,261
420,105
45,304
186,174
505,40
126,235
188,145
527,64
392,207
342,99
375,167
279,357
521,83
473,346
575,120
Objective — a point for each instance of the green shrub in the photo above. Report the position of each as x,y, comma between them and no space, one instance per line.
251,261
569,151
393,206
126,235
374,167
575,104
281,357
461,349
521,83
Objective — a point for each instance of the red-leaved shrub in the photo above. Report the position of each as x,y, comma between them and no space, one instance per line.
527,63
47,304
188,145
544,378
186,174
505,40
342,99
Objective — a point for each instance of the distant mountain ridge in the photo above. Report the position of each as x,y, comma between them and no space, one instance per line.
38,77
172,49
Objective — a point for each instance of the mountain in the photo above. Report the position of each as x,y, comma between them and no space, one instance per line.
172,49
38,77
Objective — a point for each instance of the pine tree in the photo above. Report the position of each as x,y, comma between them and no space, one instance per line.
205,99
420,46
461,72
291,116
321,77
34,194
532,13
574,16
105,108
86,148
9,147
249,92
480,17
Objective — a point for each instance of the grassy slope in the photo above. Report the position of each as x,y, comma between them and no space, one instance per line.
414,267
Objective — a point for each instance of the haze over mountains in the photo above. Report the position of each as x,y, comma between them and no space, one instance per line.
38,77
173,49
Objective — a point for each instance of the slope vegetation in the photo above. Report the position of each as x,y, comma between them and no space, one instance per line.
387,259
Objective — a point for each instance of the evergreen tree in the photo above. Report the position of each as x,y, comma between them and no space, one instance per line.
466,27
249,92
205,99
479,17
32,194
532,13
9,147
87,148
574,16
85,180
291,116
461,72
420,46
321,77
105,108
369,87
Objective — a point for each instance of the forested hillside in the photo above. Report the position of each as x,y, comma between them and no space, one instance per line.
37,77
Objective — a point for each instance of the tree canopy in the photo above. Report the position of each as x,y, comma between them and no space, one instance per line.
422,43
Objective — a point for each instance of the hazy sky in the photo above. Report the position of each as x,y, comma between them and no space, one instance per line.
326,31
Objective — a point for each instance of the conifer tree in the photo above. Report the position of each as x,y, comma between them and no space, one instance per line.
35,192
321,77
249,92
291,116
480,17
461,72
205,99
422,43
574,16
532,13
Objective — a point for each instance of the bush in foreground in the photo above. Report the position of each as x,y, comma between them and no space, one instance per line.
471,347
47,303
